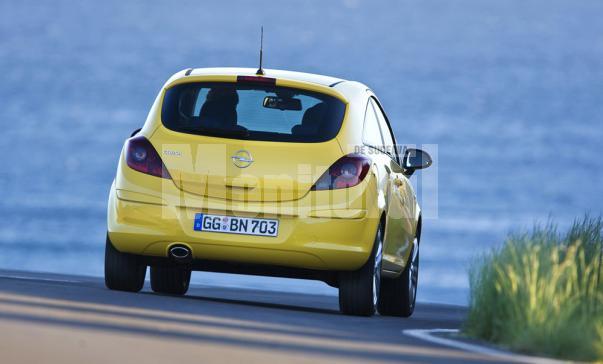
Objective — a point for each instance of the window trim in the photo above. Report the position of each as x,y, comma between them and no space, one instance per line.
396,156
368,104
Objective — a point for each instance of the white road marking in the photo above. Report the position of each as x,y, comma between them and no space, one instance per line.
427,335
27,278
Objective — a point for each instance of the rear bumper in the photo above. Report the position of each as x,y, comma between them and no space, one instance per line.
314,233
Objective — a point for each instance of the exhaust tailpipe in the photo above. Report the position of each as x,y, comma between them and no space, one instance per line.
180,254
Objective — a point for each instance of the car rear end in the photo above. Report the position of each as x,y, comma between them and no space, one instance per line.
245,169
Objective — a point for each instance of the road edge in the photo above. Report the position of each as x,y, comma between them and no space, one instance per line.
428,335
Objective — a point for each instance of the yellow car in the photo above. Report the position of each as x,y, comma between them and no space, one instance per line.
272,173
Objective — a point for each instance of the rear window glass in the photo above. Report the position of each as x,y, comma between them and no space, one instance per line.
252,112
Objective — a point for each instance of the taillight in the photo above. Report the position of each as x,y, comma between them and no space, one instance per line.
142,157
348,171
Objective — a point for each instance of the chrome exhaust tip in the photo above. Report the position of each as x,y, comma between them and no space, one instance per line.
180,254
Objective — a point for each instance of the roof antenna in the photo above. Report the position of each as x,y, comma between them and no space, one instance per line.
260,71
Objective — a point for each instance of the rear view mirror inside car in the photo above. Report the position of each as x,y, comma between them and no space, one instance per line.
281,103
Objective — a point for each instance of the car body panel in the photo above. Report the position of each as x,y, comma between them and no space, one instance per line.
203,165
323,230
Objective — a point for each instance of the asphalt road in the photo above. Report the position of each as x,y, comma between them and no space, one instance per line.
49,318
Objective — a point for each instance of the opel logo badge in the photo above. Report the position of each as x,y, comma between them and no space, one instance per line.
242,159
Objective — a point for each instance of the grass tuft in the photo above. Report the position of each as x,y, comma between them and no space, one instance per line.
541,292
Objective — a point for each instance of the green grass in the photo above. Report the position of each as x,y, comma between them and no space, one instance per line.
542,293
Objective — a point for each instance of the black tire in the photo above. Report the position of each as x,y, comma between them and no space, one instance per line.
398,295
123,272
170,280
359,290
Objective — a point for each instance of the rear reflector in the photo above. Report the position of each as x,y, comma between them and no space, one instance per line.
256,79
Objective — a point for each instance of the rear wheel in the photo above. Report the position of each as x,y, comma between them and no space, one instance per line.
359,290
123,272
170,280
398,295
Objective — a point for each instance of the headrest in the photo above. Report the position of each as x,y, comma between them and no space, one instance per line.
311,120
223,95
314,115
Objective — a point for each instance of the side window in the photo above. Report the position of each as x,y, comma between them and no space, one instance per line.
388,138
371,134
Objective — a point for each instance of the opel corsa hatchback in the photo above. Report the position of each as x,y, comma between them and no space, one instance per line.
280,174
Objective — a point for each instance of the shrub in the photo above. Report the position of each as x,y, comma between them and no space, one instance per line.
541,292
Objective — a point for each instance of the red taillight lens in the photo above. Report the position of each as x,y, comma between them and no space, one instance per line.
142,157
348,171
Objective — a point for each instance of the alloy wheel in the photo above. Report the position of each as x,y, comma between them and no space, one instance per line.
414,272
377,269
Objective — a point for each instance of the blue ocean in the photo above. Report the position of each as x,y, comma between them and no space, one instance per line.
507,95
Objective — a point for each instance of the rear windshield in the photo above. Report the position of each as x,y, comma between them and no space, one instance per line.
252,112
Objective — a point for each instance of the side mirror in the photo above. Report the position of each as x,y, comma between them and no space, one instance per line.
415,159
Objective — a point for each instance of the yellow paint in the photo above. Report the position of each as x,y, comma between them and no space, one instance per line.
326,230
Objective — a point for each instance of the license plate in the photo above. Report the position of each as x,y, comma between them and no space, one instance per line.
235,225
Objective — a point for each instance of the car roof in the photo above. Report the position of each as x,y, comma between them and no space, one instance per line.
289,75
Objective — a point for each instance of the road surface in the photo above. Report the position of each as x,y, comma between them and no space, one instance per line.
50,318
